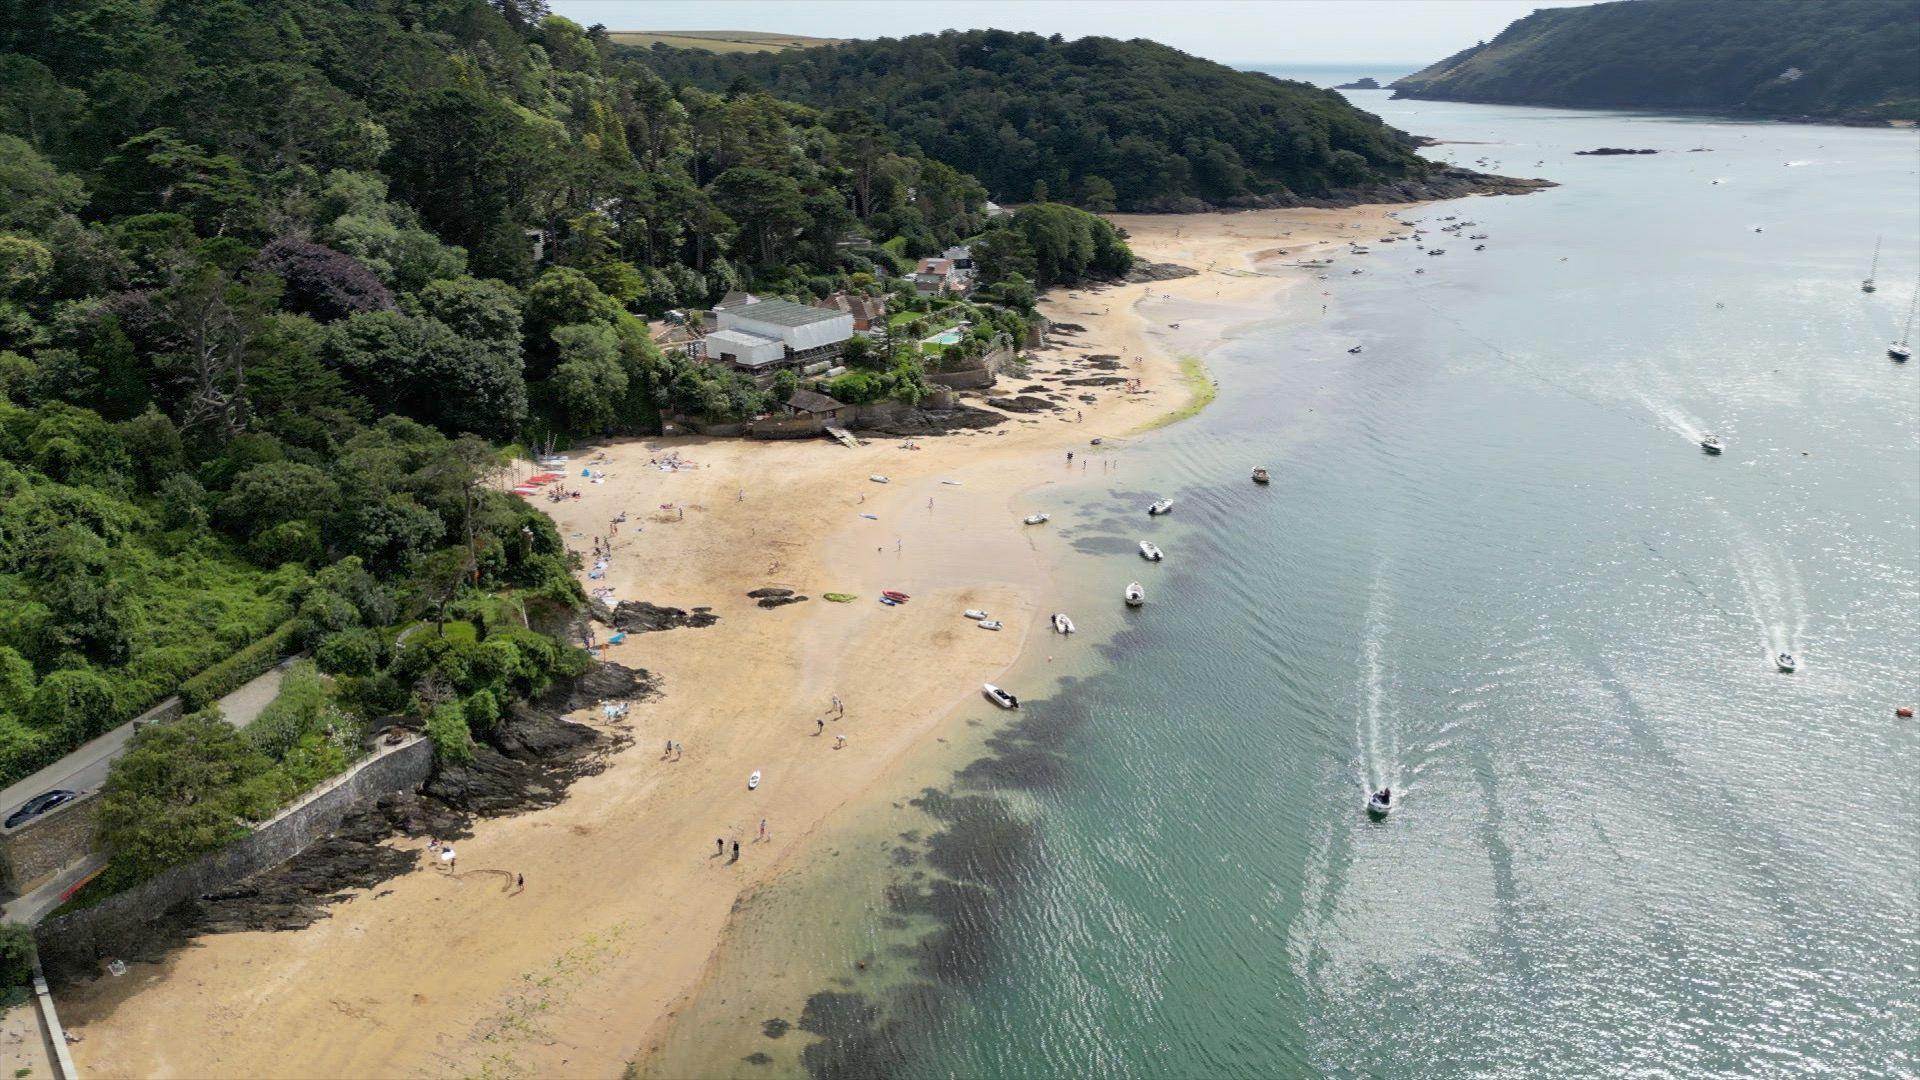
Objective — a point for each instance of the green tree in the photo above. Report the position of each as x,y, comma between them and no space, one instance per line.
177,793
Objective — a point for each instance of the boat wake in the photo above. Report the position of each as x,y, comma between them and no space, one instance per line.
1379,741
1674,418
1772,590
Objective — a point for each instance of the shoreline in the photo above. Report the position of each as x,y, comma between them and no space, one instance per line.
625,911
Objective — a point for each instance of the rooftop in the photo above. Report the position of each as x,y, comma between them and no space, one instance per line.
809,402
782,313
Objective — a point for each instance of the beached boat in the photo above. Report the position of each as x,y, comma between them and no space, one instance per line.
841,597
988,624
1037,519
889,601
1135,594
1260,474
878,479
1380,803
1150,551
999,697
754,780
896,595
1062,624
1162,507
976,614
1712,444
1785,662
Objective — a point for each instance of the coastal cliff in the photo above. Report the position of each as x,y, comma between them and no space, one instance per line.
1785,59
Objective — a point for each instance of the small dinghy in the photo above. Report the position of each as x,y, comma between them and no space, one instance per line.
889,601
988,624
1149,551
1038,519
754,780
878,479
999,697
1164,506
1260,475
1062,624
1135,594
1380,803
1712,444
1356,349
1786,662
976,614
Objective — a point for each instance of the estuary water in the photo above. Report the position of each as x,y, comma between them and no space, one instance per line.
1495,571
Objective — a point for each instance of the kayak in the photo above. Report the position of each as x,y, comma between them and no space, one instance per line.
896,594
841,597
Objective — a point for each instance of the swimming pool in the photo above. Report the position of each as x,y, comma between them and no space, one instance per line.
945,337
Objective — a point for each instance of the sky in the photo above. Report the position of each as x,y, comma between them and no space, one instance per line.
1408,33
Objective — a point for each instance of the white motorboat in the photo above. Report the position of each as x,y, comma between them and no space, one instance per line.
1161,507
1712,444
1062,624
878,479
754,780
976,614
1380,803
1149,551
1135,594
1437,251
1038,519
1786,662
1900,350
1260,474
988,624
999,697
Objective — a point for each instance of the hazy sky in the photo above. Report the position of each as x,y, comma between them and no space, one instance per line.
1412,33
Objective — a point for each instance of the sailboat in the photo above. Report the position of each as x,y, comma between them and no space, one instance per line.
1900,350
1868,285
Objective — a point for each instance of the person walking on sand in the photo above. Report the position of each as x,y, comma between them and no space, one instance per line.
446,857
736,851
719,845
763,830
839,707
819,726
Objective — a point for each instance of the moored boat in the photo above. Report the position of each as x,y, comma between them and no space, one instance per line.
1135,594
1161,507
1150,551
1062,624
1260,474
1038,519
999,697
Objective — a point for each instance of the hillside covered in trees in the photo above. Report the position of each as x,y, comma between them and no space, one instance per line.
1102,123
1852,61
282,282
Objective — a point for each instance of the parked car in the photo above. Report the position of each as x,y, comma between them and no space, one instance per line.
40,804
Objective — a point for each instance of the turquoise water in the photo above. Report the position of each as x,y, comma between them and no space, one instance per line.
1495,571
946,337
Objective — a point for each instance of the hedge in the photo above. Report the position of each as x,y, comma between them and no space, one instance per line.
237,670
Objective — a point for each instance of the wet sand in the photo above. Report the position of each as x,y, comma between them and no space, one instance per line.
626,901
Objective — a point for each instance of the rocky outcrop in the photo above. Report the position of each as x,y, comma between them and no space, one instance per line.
1364,82
772,597
1159,271
1610,151
921,422
1025,403
640,617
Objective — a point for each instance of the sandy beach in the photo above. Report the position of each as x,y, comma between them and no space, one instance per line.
625,899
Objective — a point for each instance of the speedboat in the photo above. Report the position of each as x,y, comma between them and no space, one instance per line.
976,614
999,697
1149,551
1037,519
1161,507
1062,624
1712,444
1380,803
1260,474
988,624
1786,662
1135,594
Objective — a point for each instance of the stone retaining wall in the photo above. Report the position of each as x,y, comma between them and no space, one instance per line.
74,945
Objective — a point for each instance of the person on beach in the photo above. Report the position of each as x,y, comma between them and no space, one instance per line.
668,752
839,740
839,707
1069,456
819,726
446,857
519,881
763,830
736,851
719,845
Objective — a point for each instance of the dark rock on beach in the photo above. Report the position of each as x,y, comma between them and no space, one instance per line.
771,597
1153,271
640,617
1097,380
921,422
1025,403
1610,151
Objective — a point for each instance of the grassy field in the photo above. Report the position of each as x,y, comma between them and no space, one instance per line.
718,41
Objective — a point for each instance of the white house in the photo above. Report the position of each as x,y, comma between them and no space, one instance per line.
767,334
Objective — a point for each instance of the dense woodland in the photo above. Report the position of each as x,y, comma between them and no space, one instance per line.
1852,60
283,282
1101,123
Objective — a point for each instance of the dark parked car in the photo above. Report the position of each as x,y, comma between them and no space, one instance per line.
40,804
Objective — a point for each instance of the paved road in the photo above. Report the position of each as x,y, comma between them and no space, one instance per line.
86,768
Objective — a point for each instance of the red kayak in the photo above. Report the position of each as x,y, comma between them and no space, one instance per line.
893,594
